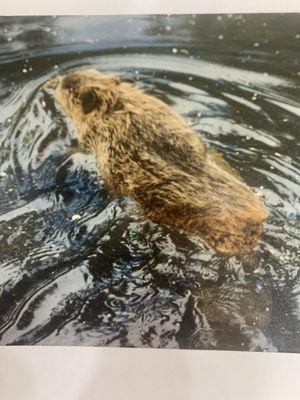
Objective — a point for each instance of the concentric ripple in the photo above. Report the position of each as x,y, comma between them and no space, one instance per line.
78,268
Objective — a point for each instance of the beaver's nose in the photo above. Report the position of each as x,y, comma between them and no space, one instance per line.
52,83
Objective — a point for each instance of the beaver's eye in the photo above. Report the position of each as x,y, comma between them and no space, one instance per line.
89,101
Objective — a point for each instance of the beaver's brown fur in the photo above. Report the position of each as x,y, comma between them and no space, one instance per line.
147,151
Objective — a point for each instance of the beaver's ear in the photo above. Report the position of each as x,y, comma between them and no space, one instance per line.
90,101
112,79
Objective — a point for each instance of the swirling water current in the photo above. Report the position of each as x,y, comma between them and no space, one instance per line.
77,268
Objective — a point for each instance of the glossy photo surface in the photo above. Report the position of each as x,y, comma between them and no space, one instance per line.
78,267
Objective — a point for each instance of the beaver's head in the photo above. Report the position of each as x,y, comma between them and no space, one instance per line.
82,93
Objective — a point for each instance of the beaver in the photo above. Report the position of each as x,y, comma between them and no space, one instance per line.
148,152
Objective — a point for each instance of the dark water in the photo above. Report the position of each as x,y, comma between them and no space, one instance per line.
79,269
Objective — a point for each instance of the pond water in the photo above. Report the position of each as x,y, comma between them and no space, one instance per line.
77,268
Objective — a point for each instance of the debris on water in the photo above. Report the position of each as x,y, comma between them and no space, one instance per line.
43,103
184,51
75,217
174,50
277,154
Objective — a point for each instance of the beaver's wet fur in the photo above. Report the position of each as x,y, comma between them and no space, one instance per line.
148,152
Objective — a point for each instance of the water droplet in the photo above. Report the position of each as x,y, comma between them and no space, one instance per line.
174,51
3,174
24,70
297,36
168,28
75,217
220,37
256,44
